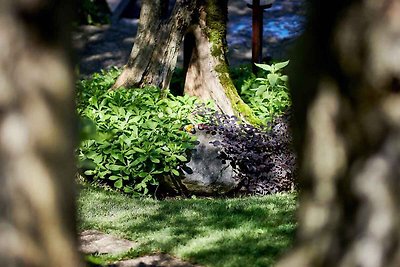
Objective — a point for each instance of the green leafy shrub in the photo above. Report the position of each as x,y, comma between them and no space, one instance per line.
268,96
139,133
242,76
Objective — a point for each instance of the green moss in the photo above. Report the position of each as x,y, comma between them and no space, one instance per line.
222,68
216,25
240,108
216,32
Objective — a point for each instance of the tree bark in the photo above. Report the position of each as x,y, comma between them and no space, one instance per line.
207,74
37,137
154,54
346,108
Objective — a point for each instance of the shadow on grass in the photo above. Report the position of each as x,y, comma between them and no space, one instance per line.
250,231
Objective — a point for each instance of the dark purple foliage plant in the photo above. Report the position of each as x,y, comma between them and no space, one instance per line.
262,157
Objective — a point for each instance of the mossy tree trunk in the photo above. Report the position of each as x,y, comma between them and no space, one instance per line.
207,73
37,137
346,108
154,55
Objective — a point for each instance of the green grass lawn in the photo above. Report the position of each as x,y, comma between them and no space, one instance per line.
251,231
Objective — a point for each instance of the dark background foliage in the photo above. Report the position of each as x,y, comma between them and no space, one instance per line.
93,12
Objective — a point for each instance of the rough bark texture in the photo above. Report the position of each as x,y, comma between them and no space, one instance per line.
154,54
37,222
208,74
347,124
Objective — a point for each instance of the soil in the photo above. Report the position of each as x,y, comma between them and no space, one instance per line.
96,242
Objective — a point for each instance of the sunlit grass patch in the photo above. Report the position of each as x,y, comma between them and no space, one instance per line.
251,231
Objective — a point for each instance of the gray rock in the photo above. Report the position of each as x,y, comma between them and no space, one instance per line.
161,260
208,175
93,241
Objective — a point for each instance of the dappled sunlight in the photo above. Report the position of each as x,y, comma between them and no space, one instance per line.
218,232
101,47
249,242
254,229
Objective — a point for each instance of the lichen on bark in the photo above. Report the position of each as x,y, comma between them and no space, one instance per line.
216,26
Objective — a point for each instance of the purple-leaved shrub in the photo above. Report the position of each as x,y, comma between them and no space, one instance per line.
262,157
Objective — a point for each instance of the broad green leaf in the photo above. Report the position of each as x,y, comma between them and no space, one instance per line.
151,124
91,154
127,140
147,178
261,90
128,189
137,149
169,110
134,131
118,184
284,78
103,174
264,66
139,186
272,78
135,119
139,160
175,172
143,174
280,65
145,191
121,112
93,101
181,158
117,155
90,172
154,160
114,177
261,80
114,167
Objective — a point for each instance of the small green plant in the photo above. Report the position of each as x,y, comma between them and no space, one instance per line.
139,133
268,96
93,12
242,76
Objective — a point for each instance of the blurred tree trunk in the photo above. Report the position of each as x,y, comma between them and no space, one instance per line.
346,108
207,71
37,213
154,55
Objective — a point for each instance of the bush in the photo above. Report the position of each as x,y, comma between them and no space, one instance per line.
268,96
139,133
262,157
